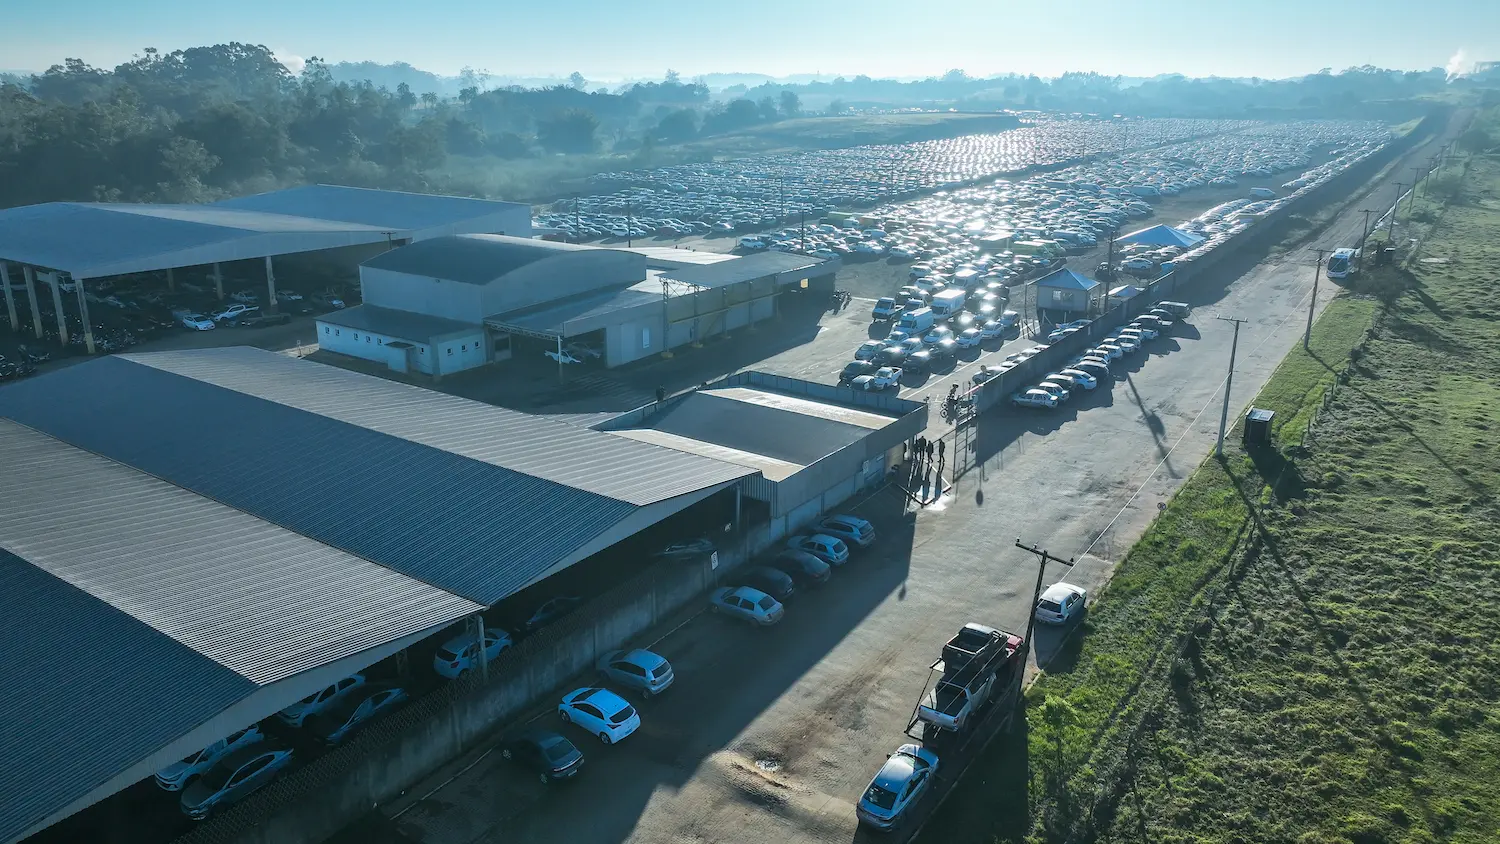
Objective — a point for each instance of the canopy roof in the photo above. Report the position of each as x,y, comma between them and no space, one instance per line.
1066,279
1160,235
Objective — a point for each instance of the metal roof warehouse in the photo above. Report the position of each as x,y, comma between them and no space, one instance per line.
171,575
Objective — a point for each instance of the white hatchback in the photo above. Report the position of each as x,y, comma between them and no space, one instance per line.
1061,603
601,712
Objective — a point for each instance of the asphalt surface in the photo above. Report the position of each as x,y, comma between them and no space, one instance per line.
772,735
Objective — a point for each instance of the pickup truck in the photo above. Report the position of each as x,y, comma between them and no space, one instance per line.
979,664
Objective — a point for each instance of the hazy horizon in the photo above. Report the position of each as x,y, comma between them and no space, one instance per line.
1273,39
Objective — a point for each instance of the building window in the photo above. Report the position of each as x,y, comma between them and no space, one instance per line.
326,329
356,336
645,338
450,350
379,341
337,332
367,338
464,347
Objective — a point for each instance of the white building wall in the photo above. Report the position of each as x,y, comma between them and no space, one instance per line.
420,295
445,357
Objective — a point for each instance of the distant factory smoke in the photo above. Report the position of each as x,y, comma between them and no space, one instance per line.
296,63
1459,64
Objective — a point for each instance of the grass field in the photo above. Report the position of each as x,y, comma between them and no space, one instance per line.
1305,647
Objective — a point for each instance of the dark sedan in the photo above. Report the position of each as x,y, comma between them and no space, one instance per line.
550,756
774,582
919,361
855,368
548,612
889,356
335,723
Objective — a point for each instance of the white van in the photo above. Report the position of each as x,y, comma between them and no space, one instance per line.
916,322
948,303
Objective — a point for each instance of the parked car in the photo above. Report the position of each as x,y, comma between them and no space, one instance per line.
601,712
234,312
1034,397
772,581
918,362
970,338
992,330
889,356
943,351
856,368
550,611
802,566
1147,331
849,529
198,322
550,756
746,603
232,778
826,548
887,377
1061,603
1110,350
461,653
335,723
639,670
1081,378
244,297
178,775
937,334
288,296
868,349
1056,388
299,712
900,783
259,320
688,549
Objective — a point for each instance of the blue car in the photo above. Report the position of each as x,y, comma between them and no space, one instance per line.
334,724
900,783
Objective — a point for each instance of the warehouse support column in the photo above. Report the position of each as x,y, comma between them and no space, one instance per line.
219,282
10,297
737,494
62,317
83,314
484,657
171,281
270,286
36,309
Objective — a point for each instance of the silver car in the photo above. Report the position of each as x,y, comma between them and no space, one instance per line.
639,670
232,778
178,775
746,603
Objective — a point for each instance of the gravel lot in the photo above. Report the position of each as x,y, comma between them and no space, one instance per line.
772,735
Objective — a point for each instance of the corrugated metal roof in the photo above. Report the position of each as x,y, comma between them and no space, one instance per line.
405,325
471,498
555,318
91,239
569,455
776,432
749,268
770,467
667,256
81,690
470,258
1066,279
807,407
388,209
260,600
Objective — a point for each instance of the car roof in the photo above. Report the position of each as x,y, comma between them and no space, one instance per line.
749,593
896,772
1060,590
643,658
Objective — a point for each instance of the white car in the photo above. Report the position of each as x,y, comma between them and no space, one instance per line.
244,297
970,338
1145,330
747,603
581,351
461,653
901,782
1061,603
992,330
886,377
864,383
938,334
198,322
1056,388
849,529
868,349
826,548
561,357
288,296
1125,343
1109,350
178,775
1081,378
601,712
297,713
234,312
1034,397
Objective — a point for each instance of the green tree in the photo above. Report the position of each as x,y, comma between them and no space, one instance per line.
571,131
837,107
791,104
767,109
678,126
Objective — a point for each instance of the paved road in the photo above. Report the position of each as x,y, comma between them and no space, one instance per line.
771,735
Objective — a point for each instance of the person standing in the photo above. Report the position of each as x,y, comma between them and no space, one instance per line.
940,451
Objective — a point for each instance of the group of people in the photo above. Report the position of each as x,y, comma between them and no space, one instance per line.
923,450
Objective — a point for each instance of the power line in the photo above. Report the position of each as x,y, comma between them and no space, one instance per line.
1041,569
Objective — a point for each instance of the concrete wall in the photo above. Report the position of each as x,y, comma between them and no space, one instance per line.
422,295
561,276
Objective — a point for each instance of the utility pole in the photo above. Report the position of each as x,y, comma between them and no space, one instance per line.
802,225
1228,382
629,225
1390,229
577,222
1411,204
1312,304
1364,235
1041,568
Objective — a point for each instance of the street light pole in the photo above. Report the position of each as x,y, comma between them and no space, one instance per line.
1228,383
1390,229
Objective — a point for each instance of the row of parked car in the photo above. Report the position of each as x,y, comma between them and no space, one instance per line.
1087,371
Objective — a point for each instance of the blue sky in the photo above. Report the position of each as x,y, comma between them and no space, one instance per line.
612,39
